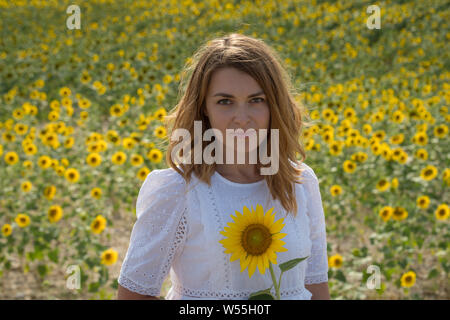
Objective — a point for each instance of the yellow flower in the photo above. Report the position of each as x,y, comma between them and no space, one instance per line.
160,132
335,148
143,173
336,261
22,220
442,212
383,185
119,158
109,257
440,131
394,183
349,166
429,173
254,237
136,160
11,158
96,193
65,92
160,114
98,225
398,138
408,279
6,230
422,154
49,192
155,155
26,186
44,162
399,213
94,159
335,190
55,213
72,175
116,110
420,138
423,202
386,213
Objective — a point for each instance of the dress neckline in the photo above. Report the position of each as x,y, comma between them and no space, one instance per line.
237,184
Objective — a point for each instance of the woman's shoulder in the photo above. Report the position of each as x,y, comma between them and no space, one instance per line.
307,173
167,177
161,186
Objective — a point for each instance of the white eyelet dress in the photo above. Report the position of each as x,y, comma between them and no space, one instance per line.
177,232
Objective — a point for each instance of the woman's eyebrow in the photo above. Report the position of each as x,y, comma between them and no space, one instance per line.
220,94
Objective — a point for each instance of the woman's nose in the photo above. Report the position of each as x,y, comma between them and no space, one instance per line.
241,116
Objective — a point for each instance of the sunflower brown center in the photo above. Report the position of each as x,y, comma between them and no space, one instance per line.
256,239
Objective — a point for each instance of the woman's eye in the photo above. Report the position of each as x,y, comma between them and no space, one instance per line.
219,102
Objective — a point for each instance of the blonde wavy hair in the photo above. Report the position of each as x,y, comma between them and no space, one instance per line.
260,61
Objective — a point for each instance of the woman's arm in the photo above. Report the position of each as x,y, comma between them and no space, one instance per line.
125,294
319,291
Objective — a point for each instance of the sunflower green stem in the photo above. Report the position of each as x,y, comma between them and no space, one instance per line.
274,280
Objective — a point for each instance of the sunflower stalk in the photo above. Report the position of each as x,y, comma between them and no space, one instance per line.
274,280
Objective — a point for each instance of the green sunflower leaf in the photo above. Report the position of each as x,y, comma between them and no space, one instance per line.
290,264
262,295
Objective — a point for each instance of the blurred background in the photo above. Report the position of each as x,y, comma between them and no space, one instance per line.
81,126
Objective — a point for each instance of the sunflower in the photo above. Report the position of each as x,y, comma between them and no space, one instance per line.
136,160
383,185
349,166
72,175
143,173
96,193
155,155
442,212
440,131
399,213
386,213
119,158
49,192
22,220
254,237
94,159
423,202
335,190
98,225
109,257
408,279
26,186
44,162
6,230
160,132
429,173
336,261
11,158
422,154
55,213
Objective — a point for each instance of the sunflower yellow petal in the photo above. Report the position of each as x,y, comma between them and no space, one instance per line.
259,214
279,235
277,226
252,266
261,268
245,262
269,217
266,261
272,256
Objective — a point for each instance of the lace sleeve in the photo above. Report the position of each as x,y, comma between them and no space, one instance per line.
158,233
317,263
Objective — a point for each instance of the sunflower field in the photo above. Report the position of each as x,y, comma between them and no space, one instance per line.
82,124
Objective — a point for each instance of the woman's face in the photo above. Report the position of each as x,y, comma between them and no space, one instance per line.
235,101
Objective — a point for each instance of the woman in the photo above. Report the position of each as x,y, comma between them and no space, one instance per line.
235,82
